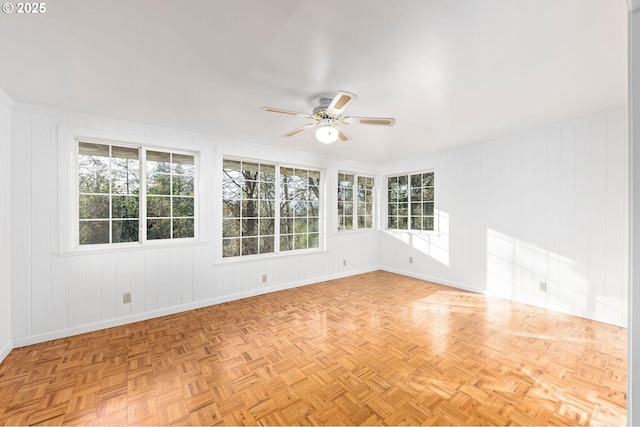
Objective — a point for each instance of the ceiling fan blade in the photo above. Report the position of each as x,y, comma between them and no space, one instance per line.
340,102
290,113
342,136
300,129
378,121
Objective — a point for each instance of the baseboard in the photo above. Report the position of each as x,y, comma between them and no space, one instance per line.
437,280
591,316
36,339
4,351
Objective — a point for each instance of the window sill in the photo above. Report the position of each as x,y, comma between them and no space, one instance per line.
356,231
80,251
266,257
421,232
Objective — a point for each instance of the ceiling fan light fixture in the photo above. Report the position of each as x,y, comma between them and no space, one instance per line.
327,133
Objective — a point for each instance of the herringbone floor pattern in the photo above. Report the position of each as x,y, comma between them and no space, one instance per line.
376,348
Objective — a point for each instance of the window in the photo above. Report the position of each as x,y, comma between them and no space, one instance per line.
111,197
355,202
249,208
268,208
410,203
299,209
170,195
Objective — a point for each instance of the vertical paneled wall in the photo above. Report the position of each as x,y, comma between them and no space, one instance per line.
58,294
633,412
547,206
5,227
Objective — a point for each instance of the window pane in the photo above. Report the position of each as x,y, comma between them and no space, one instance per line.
250,208
183,185
416,181
428,223
348,222
286,242
249,226
182,164
286,225
392,222
267,244
427,208
369,222
183,228
124,231
428,179
416,223
348,208
93,206
267,208
428,194
93,168
124,207
314,240
158,229
158,206
250,246
403,223
300,241
183,206
158,183
267,173
313,225
267,226
94,232
158,162
230,247
300,225
230,228
125,170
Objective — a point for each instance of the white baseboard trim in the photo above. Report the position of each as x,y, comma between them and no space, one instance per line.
4,351
36,339
436,280
591,316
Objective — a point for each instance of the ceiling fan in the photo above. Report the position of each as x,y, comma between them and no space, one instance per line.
327,118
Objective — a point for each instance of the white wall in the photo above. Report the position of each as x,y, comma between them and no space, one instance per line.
58,294
633,405
549,205
6,343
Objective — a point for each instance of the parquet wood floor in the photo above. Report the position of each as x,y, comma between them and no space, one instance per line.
376,348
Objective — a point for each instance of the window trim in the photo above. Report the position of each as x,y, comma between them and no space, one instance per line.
436,222
354,200
221,259
68,194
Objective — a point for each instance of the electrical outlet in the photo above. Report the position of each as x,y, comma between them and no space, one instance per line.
542,286
410,260
344,262
126,298
264,278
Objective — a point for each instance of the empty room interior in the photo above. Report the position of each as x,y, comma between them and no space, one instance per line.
285,212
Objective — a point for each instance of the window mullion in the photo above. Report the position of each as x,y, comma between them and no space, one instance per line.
142,193
276,226
110,193
354,201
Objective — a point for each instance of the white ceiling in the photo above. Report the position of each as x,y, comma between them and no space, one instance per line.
452,72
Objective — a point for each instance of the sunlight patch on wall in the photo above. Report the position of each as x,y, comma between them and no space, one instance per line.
522,271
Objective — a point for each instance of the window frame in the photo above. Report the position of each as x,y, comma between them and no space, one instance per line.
277,252
355,203
68,192
409,202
